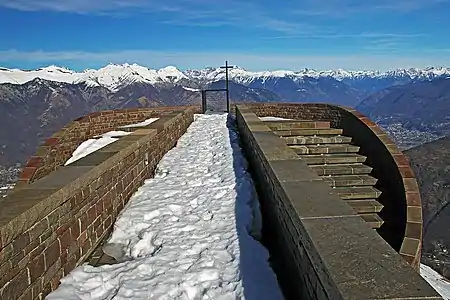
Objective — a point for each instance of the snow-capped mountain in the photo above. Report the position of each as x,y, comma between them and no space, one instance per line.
52,73
243,76
111,76
115,76
39,102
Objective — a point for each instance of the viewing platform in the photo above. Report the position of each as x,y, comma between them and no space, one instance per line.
340,207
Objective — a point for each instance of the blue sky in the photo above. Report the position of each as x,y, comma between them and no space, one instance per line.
254,34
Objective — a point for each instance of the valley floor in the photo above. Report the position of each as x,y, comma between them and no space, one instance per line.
187,233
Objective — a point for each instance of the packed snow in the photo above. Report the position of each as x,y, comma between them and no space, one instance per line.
188,233
92,145
141,124
439,283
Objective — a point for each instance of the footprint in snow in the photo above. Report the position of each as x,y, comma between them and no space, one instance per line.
207,216
220,194
149,244
161,172
194,203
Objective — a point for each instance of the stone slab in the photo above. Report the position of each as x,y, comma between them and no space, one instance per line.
362,264
93,159
243,108
293,170
250,118
160,124
258,127
146,131
316,199
279,153
20,210
273,147
20,201
128,138
116,146
60,177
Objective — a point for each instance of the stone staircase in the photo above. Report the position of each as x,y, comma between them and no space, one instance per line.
337,161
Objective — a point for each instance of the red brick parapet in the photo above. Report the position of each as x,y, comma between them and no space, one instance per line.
50,226
58,148
412,242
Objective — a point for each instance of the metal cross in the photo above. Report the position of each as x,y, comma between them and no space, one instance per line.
226,67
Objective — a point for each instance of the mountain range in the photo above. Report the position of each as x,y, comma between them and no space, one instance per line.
36,103
422,106
412,105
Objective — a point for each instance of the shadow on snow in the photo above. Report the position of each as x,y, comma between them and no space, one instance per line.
258,279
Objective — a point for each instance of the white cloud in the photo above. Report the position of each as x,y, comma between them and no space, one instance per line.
78,6
341,9
184,60
374,36
180,12
284,19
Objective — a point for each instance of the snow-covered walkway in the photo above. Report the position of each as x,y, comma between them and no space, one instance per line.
185,234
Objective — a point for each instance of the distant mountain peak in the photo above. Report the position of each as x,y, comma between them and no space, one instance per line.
114,76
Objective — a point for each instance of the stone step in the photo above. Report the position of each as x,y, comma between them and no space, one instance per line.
350,180
357,192
297,124
314,140
335,158
309,131
325,148
373,220
341,169
365,206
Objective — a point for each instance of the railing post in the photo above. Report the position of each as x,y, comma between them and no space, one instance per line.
203,101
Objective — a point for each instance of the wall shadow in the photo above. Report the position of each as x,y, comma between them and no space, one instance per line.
259,280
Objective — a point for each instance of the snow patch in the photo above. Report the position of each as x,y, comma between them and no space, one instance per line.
141,124
191,89
185,234
100,141
436,280
268,118
92,145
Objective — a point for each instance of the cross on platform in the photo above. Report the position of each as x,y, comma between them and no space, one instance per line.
226,67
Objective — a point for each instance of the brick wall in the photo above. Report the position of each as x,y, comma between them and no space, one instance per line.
52,225
57,149
320,248
289,259
402,210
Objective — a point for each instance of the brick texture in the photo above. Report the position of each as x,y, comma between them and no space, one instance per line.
34,258
400,190
296,260
58,148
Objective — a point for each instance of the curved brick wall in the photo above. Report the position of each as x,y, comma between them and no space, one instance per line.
58,148
401,198
51,225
